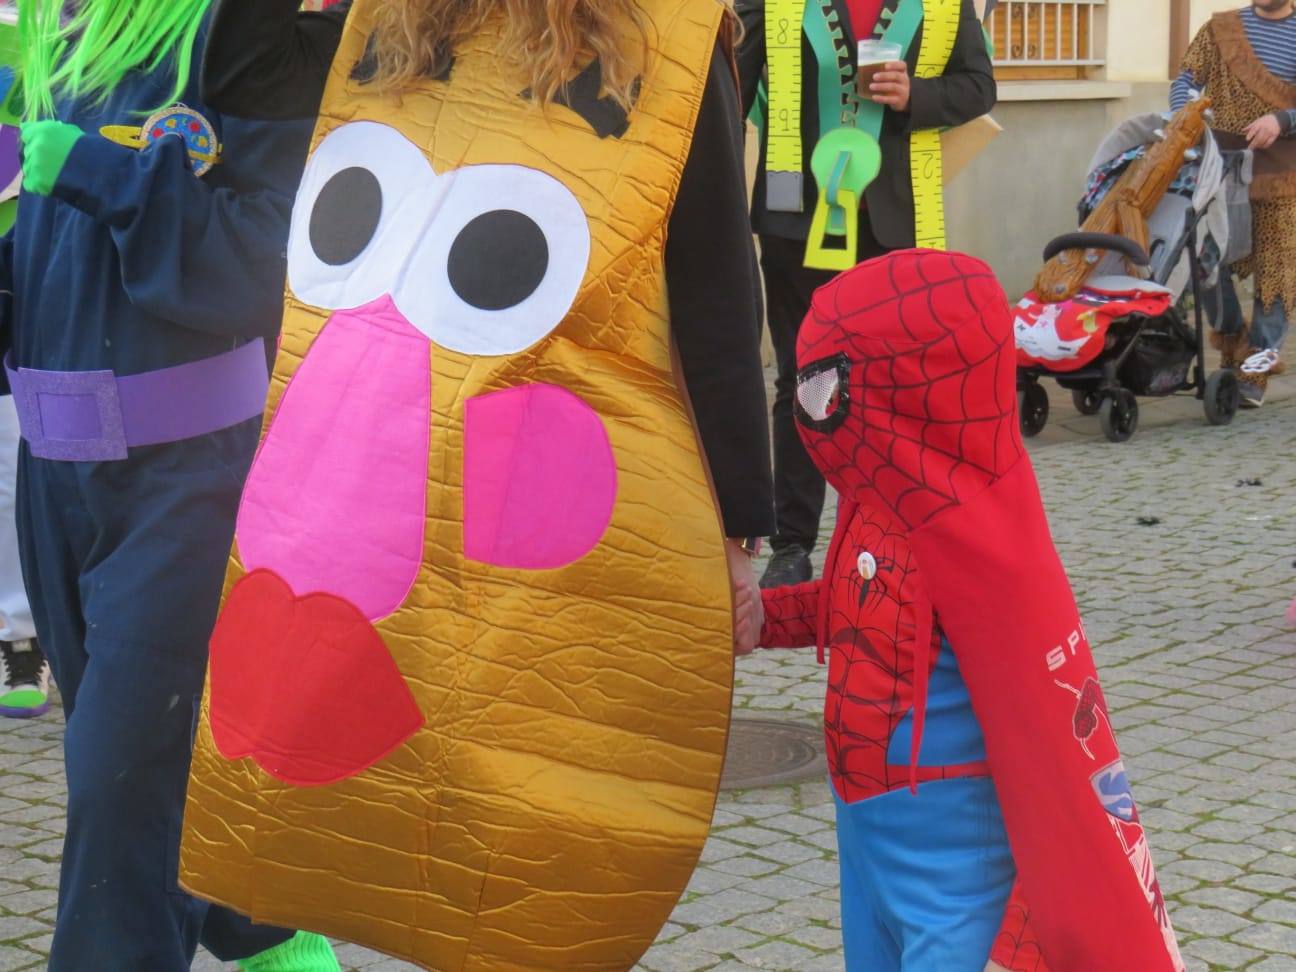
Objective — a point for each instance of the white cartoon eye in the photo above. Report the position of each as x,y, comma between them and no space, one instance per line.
365,199
502,263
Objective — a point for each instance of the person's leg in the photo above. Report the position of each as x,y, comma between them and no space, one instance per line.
798,486
1268,333
952,873
24,675
869,944
263,948
1224,313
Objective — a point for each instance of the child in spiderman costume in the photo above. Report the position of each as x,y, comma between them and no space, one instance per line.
983,811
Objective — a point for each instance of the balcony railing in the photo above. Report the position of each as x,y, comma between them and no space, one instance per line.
1050,39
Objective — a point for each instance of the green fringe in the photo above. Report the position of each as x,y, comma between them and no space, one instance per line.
87,57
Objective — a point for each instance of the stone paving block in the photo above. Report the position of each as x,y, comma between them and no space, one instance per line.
677,958
720,940
1237,901
779,956
1270,938
1279,911
12,959
1220,953
780,887
715,909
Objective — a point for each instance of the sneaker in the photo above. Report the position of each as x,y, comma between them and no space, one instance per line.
24,680
1252,389
789,565
304,952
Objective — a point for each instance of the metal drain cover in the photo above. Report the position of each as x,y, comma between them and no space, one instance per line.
767,752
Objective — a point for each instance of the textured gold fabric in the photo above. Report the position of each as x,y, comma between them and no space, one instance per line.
550,812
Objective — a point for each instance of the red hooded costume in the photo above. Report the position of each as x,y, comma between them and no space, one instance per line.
906,401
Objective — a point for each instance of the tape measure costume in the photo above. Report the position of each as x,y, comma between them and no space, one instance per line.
843,178
847,157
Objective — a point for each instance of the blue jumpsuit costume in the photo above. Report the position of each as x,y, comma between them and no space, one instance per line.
134,264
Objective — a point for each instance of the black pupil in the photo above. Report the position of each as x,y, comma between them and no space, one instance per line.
498,260
346,216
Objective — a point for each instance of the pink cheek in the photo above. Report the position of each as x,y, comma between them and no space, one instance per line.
539,478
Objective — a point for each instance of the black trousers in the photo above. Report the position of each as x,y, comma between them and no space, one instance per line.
789,285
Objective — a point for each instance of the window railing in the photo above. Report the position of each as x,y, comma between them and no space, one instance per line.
1046,40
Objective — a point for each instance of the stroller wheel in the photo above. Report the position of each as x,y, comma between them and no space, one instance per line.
1032,408
1221,396
1087,401
1118,415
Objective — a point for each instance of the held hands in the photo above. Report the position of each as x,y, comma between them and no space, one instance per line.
1263,132
749,610
45,147
890,86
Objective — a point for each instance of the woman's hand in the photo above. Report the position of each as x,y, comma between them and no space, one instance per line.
749,610
1263,132
890,86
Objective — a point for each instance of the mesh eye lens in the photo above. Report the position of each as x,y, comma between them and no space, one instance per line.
822,397
819,394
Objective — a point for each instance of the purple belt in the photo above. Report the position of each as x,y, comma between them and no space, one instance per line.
93,416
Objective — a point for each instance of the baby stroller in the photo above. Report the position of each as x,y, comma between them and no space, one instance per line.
1122,336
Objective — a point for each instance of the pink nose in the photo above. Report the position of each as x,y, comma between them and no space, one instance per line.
336,500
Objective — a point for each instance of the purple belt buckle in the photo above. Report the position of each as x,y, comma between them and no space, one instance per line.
81,409
94,416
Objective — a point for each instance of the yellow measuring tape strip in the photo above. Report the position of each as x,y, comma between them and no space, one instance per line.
783,160
926,165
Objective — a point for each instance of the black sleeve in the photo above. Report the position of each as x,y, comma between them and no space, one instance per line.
715,308
265,60
967,88
751,52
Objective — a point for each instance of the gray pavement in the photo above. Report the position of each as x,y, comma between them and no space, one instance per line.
1181,546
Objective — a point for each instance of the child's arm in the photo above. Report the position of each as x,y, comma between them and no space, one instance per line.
791,616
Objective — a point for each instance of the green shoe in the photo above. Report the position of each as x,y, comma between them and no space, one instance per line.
304,952
24,680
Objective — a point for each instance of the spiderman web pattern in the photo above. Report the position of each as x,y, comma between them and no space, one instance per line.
1015,947
933,384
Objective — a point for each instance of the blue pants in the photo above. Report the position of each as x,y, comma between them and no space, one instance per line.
124,563
924,879
1268,324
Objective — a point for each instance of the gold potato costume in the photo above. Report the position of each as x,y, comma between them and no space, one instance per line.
469,688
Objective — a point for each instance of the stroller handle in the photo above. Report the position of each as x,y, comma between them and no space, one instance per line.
1098,241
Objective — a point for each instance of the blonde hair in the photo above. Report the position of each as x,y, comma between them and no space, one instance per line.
553,38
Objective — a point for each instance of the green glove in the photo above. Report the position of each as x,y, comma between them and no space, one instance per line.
45,147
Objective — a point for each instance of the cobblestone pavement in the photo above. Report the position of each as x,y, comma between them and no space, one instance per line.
1181,546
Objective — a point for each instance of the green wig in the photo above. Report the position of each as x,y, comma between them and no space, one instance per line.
87,54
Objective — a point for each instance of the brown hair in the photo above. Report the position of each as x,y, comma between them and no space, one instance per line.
555,38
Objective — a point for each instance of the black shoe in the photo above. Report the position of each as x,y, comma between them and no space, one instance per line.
788,565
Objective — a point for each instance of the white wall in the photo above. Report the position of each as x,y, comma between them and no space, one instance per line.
1202,9
1138,40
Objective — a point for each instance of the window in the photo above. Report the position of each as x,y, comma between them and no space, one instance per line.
1043,41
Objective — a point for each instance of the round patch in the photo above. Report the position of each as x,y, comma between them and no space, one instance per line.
345,216
182,121
498,260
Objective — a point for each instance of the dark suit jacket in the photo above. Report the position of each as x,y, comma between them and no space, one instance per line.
965,91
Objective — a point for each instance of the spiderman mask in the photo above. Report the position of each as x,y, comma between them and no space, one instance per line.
906,395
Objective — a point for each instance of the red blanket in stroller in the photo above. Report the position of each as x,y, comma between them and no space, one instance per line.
1069,335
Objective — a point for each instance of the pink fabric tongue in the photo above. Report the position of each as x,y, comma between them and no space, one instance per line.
337,496
539,478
